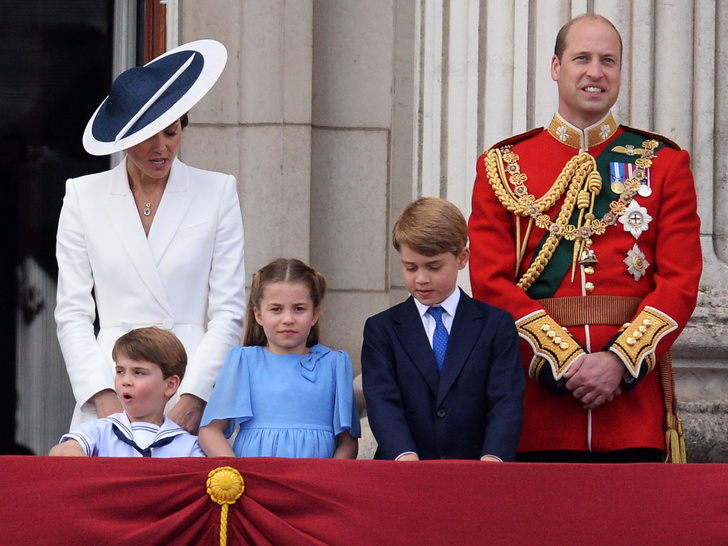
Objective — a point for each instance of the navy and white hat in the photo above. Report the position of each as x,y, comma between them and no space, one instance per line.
147,99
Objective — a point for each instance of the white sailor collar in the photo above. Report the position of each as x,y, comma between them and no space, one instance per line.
168,429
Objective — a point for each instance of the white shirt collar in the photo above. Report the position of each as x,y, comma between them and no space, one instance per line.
449,304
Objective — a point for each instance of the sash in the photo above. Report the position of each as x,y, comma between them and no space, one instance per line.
559,266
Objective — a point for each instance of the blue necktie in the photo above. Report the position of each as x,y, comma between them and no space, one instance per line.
440,337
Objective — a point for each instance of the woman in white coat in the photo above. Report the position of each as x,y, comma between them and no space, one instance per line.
152,242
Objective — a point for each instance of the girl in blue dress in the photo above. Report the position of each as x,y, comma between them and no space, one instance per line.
289,395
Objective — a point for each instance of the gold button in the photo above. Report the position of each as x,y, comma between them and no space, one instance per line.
589,287
557,340
643,329
545,328
564,345
637,334
630,341
647,322
551,333
589,270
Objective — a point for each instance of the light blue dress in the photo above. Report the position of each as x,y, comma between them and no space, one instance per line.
285,405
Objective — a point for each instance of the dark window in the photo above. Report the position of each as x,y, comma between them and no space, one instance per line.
55,69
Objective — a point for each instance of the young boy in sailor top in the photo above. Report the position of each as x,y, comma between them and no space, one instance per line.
150,364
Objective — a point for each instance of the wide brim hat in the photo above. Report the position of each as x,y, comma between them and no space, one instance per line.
147,99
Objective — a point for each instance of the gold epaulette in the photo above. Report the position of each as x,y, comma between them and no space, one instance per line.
662,138
551,344
637,341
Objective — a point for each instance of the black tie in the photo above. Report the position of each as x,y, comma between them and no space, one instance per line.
147,451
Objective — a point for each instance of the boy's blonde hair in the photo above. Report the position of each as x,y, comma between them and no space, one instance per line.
155,345
431,226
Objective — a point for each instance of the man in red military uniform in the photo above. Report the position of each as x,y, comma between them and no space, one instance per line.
588,233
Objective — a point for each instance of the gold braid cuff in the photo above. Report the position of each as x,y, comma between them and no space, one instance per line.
637,341
616,310
550,343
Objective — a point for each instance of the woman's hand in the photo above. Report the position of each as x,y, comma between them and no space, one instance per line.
187,412
107,403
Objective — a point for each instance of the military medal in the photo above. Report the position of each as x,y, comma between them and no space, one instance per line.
645,189
636,262
643,164
622,174
635,219
616,171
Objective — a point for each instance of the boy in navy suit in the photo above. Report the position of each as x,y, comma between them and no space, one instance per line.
441,372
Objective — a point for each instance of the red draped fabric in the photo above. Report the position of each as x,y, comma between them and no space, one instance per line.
142,502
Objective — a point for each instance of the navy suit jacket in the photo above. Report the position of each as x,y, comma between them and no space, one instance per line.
474,408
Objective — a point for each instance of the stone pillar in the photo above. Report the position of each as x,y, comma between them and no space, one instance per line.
352,116
256,121
354,59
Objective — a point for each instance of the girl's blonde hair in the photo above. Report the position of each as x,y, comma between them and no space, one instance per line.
282,270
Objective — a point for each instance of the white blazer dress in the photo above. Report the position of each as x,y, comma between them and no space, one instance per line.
187,276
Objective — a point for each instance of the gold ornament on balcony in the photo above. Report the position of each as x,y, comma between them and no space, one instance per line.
225,485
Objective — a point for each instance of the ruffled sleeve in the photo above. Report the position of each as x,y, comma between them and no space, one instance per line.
231,396
346,413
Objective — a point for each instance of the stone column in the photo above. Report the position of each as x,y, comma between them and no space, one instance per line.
352,117
256,121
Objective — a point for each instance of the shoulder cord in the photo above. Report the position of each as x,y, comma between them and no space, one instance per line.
579,172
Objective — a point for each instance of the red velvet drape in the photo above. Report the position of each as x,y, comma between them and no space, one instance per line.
164,501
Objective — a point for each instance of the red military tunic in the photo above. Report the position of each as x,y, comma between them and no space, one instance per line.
639,243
